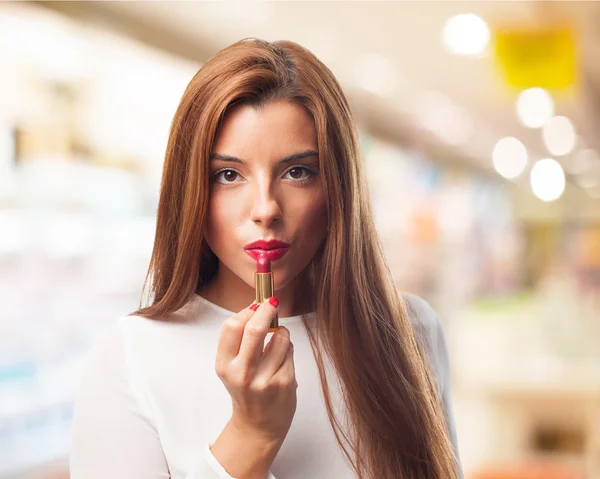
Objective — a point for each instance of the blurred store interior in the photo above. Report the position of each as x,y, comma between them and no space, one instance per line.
479,124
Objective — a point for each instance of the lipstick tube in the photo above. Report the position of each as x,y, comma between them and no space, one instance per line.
263,281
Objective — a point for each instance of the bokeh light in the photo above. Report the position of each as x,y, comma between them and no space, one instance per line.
509,157
534,107
559,135
466,34
547,180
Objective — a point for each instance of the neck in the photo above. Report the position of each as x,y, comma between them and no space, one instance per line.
232,293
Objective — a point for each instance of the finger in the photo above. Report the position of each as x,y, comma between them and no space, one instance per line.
275,353
287,369
231,335
253,340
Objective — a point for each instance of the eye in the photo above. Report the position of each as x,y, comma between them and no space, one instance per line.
226,176
299,173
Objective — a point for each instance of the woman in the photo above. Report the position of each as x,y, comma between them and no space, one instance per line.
263,161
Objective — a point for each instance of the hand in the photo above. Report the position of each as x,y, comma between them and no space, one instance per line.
262,384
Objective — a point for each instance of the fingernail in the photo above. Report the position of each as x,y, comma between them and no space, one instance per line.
255,306
274,302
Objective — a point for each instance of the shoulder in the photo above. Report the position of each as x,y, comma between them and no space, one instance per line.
105,363
135,343
422,317
430,335
171,331
419,310
103,378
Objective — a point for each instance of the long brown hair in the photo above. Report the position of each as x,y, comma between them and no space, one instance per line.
395,426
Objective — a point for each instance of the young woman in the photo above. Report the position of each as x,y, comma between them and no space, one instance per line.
263,162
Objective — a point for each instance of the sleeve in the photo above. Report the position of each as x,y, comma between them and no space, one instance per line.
429,330
111,435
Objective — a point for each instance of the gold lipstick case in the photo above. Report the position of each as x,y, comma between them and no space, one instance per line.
264,290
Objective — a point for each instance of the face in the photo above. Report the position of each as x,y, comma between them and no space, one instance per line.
266,185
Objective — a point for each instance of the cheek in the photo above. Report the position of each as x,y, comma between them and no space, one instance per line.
220,221
312,219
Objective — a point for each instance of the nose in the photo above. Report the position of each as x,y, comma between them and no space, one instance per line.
265,207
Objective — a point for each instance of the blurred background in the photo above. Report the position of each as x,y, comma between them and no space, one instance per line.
479,124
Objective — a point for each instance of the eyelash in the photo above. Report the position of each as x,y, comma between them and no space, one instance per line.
312,173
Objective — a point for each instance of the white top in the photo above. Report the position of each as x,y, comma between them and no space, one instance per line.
150,402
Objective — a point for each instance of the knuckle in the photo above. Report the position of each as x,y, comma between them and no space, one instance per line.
231,326
287,383
259,385
283,331
282,339
255,330
220,369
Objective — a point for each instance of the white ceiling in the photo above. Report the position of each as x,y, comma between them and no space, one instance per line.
408,34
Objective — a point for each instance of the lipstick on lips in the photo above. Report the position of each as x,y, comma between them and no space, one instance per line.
263,280
272,249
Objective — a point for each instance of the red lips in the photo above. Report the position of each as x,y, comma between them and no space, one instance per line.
272,249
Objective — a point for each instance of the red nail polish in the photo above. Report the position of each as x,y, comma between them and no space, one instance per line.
255,306
274,302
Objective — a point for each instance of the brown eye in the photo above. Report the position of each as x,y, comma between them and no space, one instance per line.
296,173
300,174
227,176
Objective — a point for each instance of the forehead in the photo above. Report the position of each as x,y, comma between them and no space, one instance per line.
275,128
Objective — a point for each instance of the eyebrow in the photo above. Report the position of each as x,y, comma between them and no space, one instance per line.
287,159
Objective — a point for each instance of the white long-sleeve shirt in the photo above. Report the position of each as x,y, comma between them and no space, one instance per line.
150,403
